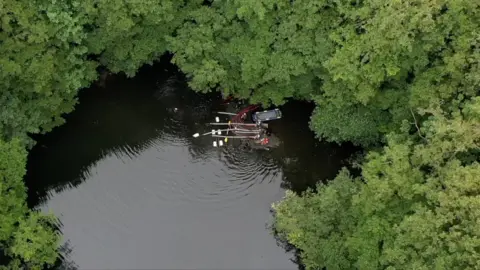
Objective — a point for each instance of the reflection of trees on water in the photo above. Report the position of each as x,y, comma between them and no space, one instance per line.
65,262
303,158
289,248
281,242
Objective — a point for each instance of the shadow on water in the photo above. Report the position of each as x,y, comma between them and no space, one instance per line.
123,119
126,162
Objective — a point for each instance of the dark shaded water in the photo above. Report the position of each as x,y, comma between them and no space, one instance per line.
134,190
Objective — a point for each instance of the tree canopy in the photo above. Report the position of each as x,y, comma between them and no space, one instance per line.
49,50
415,205
42,65
365,63
26,237
370,66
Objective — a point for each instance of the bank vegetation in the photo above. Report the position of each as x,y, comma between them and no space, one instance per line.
398,77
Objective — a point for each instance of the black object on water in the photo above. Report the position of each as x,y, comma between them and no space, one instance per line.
267,115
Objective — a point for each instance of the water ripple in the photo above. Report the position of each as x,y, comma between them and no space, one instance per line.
227,175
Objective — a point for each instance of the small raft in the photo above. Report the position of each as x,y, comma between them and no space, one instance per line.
247,124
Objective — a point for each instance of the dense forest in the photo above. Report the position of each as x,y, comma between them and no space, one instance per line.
398,77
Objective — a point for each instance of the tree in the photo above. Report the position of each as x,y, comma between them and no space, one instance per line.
368,65
128,34
26,237
415,206
42,65
355,59
269,47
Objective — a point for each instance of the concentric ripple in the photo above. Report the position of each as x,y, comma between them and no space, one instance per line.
186,170
220,180
248,166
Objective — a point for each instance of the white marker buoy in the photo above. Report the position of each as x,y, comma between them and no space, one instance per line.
196,135
214,143
217,119
220,143
213,131
219,132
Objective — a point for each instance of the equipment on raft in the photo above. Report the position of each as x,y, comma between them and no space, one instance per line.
238,128
267,115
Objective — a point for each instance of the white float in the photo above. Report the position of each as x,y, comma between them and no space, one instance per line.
214,143
196,135
217,119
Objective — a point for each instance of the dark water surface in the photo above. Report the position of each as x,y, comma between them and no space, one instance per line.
134,190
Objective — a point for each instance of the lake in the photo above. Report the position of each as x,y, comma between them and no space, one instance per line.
134,190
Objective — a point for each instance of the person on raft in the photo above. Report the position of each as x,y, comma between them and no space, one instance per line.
262,138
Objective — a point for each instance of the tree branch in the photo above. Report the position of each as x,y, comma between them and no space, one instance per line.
416,125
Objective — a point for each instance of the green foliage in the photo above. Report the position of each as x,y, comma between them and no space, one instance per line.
357,123
45,52
373,58
368,65
12,189
46,46
129,33
270,47
34,241
42,65
316,223
25,236
415,206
